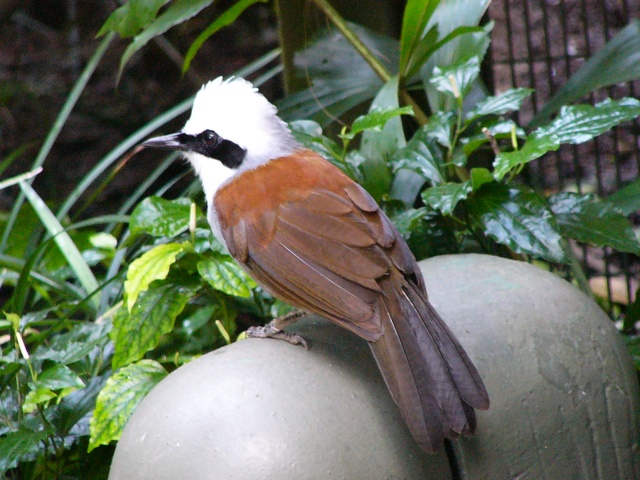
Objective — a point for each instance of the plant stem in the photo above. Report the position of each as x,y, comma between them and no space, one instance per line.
380,70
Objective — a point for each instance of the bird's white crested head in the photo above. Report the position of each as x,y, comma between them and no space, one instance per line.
237,112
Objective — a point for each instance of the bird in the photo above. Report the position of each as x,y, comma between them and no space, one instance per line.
314,238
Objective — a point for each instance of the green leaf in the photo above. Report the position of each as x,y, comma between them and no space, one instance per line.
152,265
375,120
36,397
627,199
617,62
517,218
586,219
342,79
417,14
532,149
178,12
59,377
74,345
64,242
440,126
132,17
21,445
377,147
456,79
580,123
480,176
500,129
422,156
224,274
119,398
162,218
445,197
153,315
508,101
224,20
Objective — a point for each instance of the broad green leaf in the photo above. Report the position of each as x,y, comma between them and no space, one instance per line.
449,16
480,176
580,123
73,346
508,101
152,265
430,44
375,120
161,218
500,129
132,17
445,197
119,398
456,79
617,62
224,20
627,199
36,397
422,156
178,12
58,377
417,14
153,315
224,274
75,406
587,219
21,445
532,149
377,147
341,78
440,126
517,218
64,242
407,220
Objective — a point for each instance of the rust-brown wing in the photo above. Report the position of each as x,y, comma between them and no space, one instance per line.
324,254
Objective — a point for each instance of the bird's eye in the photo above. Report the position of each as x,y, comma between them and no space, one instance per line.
209,138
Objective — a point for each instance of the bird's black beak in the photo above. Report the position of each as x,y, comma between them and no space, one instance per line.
175,141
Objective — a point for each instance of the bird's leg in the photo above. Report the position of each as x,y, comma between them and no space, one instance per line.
274,329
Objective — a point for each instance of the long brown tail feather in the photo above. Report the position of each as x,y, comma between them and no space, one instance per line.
427,371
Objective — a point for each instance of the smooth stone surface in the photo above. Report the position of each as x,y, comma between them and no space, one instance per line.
563,390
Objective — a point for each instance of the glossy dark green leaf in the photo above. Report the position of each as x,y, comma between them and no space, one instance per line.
72,346
533,149
422,156
132,17
580,123
627,199
119,398
375,120
617,62
20,446
456,79
508,101
498,128
587,219
445,197
440,126
153,315
224,274
58,377
162,218
517,218
377,147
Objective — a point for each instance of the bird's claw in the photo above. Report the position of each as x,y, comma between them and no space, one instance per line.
270,331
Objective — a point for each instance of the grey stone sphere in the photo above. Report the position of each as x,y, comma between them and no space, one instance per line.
564,395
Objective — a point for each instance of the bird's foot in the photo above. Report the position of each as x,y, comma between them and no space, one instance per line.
271,330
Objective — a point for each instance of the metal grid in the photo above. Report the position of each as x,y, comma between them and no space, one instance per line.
539,44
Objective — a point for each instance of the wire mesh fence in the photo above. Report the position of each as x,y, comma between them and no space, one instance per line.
539,44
